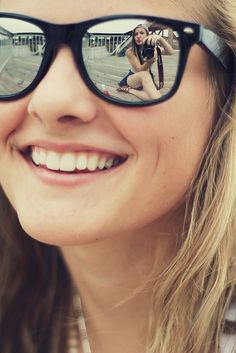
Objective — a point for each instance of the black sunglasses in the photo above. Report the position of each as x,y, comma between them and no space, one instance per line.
27,47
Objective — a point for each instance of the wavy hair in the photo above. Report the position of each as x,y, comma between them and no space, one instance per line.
34,306
134,46
196,290
192,294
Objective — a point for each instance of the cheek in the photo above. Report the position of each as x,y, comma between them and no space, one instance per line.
169,141
12,115
186,125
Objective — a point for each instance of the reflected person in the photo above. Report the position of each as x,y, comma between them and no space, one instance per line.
142,54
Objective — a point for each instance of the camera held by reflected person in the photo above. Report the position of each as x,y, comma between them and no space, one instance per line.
148,51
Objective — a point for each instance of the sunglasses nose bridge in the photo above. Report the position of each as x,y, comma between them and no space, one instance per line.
61,34
68,34
73,39
58,35
65,34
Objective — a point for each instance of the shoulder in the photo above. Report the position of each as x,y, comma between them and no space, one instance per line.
228,340
129,52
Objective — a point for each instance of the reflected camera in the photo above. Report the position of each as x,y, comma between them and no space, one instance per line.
148,51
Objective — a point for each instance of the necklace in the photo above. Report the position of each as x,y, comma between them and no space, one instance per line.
79,329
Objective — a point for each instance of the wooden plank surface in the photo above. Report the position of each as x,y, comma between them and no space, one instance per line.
109,70
105,70
18,72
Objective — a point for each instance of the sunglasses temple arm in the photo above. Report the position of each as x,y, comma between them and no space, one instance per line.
217,47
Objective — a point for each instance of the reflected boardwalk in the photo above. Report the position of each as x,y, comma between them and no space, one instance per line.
107,71
17,71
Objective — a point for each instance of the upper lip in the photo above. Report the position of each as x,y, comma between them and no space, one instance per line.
68,147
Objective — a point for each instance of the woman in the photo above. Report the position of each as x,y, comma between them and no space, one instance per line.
140,82
129,210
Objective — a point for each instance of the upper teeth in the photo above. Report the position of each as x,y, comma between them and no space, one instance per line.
70,161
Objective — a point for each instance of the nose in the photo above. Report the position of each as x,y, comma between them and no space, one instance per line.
62,96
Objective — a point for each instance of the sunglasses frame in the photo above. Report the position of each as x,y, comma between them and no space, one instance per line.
72,35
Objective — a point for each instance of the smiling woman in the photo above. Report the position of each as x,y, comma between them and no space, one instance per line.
117,208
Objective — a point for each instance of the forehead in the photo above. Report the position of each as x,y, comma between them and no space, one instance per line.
65,11
140,30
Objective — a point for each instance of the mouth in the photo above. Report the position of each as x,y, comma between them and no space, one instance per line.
72,162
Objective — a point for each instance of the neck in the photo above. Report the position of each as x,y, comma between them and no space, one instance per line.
114,279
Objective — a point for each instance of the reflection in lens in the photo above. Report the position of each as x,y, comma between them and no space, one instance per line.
21,49
105,49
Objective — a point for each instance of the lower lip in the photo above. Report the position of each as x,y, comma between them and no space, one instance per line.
54,178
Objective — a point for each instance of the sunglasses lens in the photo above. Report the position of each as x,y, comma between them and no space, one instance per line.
21,51
116,59
107,47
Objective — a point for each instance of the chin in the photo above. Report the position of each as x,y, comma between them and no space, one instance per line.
58,235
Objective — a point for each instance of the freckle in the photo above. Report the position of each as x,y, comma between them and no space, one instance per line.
172,137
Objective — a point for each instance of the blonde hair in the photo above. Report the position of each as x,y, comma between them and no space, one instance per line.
195,291
191,296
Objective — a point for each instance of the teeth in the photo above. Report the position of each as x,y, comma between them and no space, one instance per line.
41,156
92,162
81,161
35,156
69,162
52,161
101,163
109,163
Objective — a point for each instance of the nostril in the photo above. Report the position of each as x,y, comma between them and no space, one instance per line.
67,119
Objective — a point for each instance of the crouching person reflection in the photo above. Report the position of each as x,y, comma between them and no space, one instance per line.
142,54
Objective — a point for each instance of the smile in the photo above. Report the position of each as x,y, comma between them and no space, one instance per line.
72,162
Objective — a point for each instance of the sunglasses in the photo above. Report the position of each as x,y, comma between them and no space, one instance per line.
28,45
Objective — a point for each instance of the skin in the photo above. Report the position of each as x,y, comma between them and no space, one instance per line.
140,35
108,248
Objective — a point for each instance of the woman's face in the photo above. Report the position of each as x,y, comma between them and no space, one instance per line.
139,35
61,118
